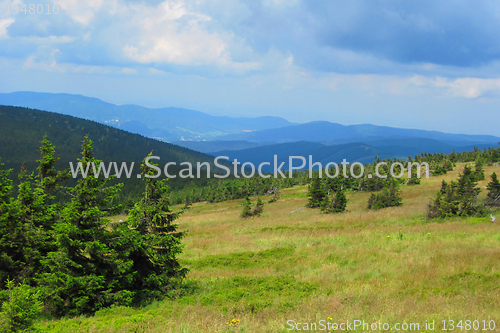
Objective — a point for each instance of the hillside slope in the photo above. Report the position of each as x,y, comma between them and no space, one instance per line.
21,131
294,263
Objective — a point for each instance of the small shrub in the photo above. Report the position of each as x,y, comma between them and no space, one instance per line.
457,198
22,306
247,208
336,204
387,198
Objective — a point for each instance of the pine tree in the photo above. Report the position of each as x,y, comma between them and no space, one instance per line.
457,198
493,188
156,250
247,209
49,177
316,192
259,209
340,201
81,276
388,197
11,232
479,170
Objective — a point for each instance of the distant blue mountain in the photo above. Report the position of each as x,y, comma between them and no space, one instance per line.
332,133
216,145
352,152
167,124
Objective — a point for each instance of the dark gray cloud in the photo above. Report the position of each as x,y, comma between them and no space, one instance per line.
356,36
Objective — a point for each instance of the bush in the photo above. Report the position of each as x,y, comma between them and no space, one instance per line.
457,198
22,306
247,208
387,198
336,204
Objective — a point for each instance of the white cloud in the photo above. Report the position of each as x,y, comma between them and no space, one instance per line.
129,71
467,87
81,11
4,24
173,34
470,87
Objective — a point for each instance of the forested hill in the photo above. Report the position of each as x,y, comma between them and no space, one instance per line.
22,129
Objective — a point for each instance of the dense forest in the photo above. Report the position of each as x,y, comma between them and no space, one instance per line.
22,129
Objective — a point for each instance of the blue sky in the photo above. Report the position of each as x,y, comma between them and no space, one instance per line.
413,64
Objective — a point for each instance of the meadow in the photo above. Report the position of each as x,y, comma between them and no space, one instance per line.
388,266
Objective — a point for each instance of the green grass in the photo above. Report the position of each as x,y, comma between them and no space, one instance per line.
252,275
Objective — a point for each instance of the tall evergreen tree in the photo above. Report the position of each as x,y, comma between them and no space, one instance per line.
81,276
155,255
49,178
11,232
316,192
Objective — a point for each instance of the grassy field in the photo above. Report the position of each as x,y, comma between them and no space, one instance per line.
388,266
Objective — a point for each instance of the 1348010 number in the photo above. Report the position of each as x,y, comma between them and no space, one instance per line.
468,325
33,9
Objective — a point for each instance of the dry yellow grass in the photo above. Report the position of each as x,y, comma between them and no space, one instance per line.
390,265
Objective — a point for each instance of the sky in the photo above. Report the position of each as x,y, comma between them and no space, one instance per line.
415,64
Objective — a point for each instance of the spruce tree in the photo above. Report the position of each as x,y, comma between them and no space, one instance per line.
11,232
336,204
155,255
316,192
80,277
493,188
48,177
247,209
259,209
457,198
388,197
479,170
339,202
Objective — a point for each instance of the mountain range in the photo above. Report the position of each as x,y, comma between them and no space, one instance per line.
258,139
166,124
351,152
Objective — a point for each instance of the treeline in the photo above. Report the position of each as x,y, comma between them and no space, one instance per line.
439,164
68,258
21,130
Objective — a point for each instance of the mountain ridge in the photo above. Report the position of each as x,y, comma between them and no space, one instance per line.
166,124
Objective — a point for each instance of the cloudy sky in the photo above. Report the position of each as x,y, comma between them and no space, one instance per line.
413,64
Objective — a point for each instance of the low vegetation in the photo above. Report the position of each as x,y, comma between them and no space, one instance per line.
70,267
390,265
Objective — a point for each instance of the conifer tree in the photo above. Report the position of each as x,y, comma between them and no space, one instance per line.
388,197
247,209
316,192
155,255
339,202
457,198
49,177
493,188
80,277
336,204
11,232
479,170
259,209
